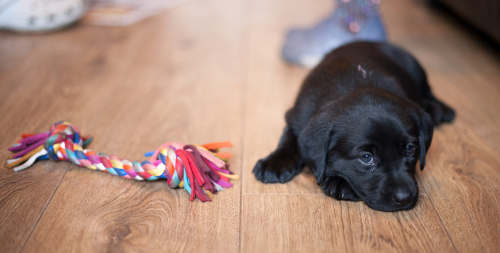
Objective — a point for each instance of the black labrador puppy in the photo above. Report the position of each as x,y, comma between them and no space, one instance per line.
362,119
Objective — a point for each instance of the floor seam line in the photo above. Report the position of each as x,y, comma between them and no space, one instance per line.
245,75
439,216
44,209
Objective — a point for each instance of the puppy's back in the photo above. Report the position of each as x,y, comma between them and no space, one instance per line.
354,66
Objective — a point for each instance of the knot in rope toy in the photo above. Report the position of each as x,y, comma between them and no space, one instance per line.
198,169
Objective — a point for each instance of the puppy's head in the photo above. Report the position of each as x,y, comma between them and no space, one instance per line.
373,140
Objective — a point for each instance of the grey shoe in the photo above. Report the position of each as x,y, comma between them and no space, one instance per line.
307,47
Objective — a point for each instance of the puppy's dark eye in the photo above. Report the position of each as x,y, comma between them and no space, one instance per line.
410,150
366,159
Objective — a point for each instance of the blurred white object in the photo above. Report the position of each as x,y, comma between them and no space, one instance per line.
39,15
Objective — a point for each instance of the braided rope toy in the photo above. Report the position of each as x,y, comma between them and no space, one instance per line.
198,169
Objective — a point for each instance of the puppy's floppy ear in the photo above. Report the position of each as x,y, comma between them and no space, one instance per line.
425,131
314,143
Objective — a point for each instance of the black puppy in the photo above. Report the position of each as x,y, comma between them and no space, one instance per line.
362,119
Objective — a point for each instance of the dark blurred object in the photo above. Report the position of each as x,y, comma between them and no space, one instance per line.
483,14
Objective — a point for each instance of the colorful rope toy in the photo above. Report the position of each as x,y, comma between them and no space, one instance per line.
198,169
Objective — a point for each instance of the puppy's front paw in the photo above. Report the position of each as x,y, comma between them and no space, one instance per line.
277,168
339,189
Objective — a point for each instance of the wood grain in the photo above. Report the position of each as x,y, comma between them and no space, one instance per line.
274,88
154,105
465,172
210,71
316,222
36,95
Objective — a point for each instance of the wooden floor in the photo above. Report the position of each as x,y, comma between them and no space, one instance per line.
210,70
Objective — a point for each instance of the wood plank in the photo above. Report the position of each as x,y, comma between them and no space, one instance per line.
274,86
463,186
462,173
319,223
299,224
169,94
37,92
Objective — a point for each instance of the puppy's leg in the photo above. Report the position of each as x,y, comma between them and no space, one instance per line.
282,164
439,112
339,189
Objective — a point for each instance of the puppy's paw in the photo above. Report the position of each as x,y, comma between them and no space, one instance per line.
339,189
448,113
277,168
439,112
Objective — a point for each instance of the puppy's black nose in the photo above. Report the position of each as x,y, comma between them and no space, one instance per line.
402,198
